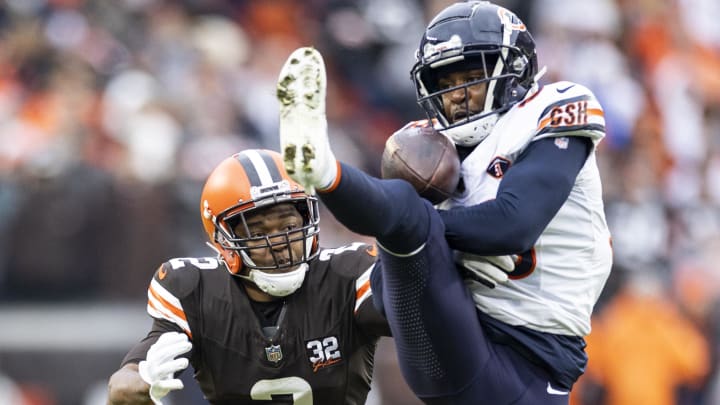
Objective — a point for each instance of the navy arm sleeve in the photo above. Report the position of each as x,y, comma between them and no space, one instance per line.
529,196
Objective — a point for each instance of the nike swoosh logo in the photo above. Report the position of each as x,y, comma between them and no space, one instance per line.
553,391
162,273
372,250
565,89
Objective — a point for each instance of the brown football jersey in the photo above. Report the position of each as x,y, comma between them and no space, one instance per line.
321,351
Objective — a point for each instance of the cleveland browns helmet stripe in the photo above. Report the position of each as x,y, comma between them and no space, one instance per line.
260,168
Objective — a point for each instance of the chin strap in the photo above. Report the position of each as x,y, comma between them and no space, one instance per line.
536,82
214,248
278,284
536,79
540,74
275,284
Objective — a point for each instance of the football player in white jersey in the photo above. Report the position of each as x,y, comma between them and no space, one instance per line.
489,295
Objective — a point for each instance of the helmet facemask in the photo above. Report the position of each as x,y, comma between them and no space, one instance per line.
503,68
245,244
278,284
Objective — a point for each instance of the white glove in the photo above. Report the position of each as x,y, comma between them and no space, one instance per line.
160,365
489,270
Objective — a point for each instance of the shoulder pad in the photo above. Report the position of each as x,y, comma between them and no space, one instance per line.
354,263
175,280
179,276
351,260
567,109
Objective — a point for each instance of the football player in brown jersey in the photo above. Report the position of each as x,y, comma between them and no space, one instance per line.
273,318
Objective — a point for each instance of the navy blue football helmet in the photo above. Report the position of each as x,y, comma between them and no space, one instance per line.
475,35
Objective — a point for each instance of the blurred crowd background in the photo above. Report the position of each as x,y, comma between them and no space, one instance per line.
113,112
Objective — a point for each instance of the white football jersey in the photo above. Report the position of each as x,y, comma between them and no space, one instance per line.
563,274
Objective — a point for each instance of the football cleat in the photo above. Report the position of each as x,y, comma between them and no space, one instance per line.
304,140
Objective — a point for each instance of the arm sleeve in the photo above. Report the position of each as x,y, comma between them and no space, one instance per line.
529,196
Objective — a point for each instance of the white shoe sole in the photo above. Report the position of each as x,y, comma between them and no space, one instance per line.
301,91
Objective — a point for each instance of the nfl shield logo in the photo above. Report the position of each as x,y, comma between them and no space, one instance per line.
273,353
562,142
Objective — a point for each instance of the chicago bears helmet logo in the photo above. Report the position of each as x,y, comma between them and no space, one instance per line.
509,19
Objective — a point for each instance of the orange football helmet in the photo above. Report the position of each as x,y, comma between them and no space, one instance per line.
245,182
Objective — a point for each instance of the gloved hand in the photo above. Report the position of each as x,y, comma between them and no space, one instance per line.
489,270
160,365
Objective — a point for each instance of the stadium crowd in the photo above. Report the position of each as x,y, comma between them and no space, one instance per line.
112,113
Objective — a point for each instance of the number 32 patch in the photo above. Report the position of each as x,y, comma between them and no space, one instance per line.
323,352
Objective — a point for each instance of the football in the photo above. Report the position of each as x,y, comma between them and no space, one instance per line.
425,158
